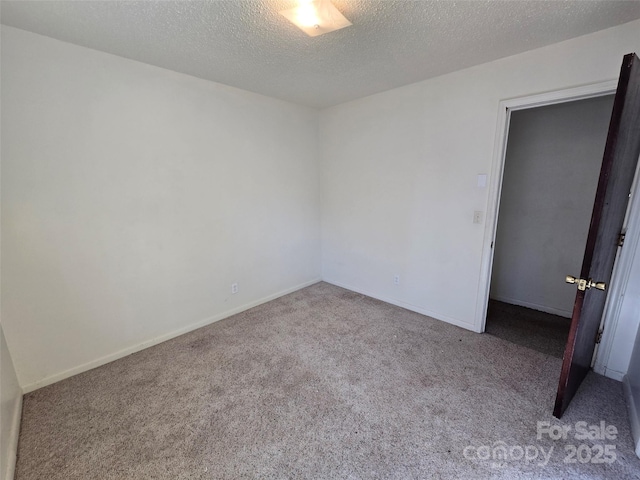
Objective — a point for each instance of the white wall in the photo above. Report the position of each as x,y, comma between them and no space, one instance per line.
398,173
632,377
632,389
553,160
11,407
10,410
132,197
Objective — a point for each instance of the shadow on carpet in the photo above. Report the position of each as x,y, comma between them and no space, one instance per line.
543,332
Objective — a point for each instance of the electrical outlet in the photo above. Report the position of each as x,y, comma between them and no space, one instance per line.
477,216
234,288
396,279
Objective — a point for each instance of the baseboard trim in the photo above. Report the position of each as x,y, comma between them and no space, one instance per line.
14,434
162,338
405,305
634,415
612,374
533,306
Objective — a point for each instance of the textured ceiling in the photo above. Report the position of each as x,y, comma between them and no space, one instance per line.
247,44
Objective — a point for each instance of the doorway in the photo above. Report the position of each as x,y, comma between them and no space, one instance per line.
551,169
616,211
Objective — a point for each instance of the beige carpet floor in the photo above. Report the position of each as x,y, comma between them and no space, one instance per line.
320,384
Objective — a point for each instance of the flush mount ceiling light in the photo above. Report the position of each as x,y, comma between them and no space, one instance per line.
316,17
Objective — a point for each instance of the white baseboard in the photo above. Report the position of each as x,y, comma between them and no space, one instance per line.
633,406
405,305
533,306
10,467
613,374
157,340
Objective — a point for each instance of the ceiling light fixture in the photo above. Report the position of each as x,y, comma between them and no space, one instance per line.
316,17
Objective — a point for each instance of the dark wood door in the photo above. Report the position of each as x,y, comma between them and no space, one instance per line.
612,196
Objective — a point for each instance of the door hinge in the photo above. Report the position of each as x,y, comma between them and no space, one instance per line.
621,238
598,337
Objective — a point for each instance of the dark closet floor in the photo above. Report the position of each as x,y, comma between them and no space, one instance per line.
540,331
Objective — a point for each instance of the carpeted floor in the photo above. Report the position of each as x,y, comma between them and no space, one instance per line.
541,331
321,384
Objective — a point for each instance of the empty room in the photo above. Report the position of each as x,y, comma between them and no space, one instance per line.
347,239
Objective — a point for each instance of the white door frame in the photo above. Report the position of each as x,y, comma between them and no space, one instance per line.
619,282
623,264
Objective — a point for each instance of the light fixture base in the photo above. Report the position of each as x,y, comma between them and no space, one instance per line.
316,17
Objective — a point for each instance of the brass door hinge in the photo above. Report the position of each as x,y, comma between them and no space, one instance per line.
599,336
